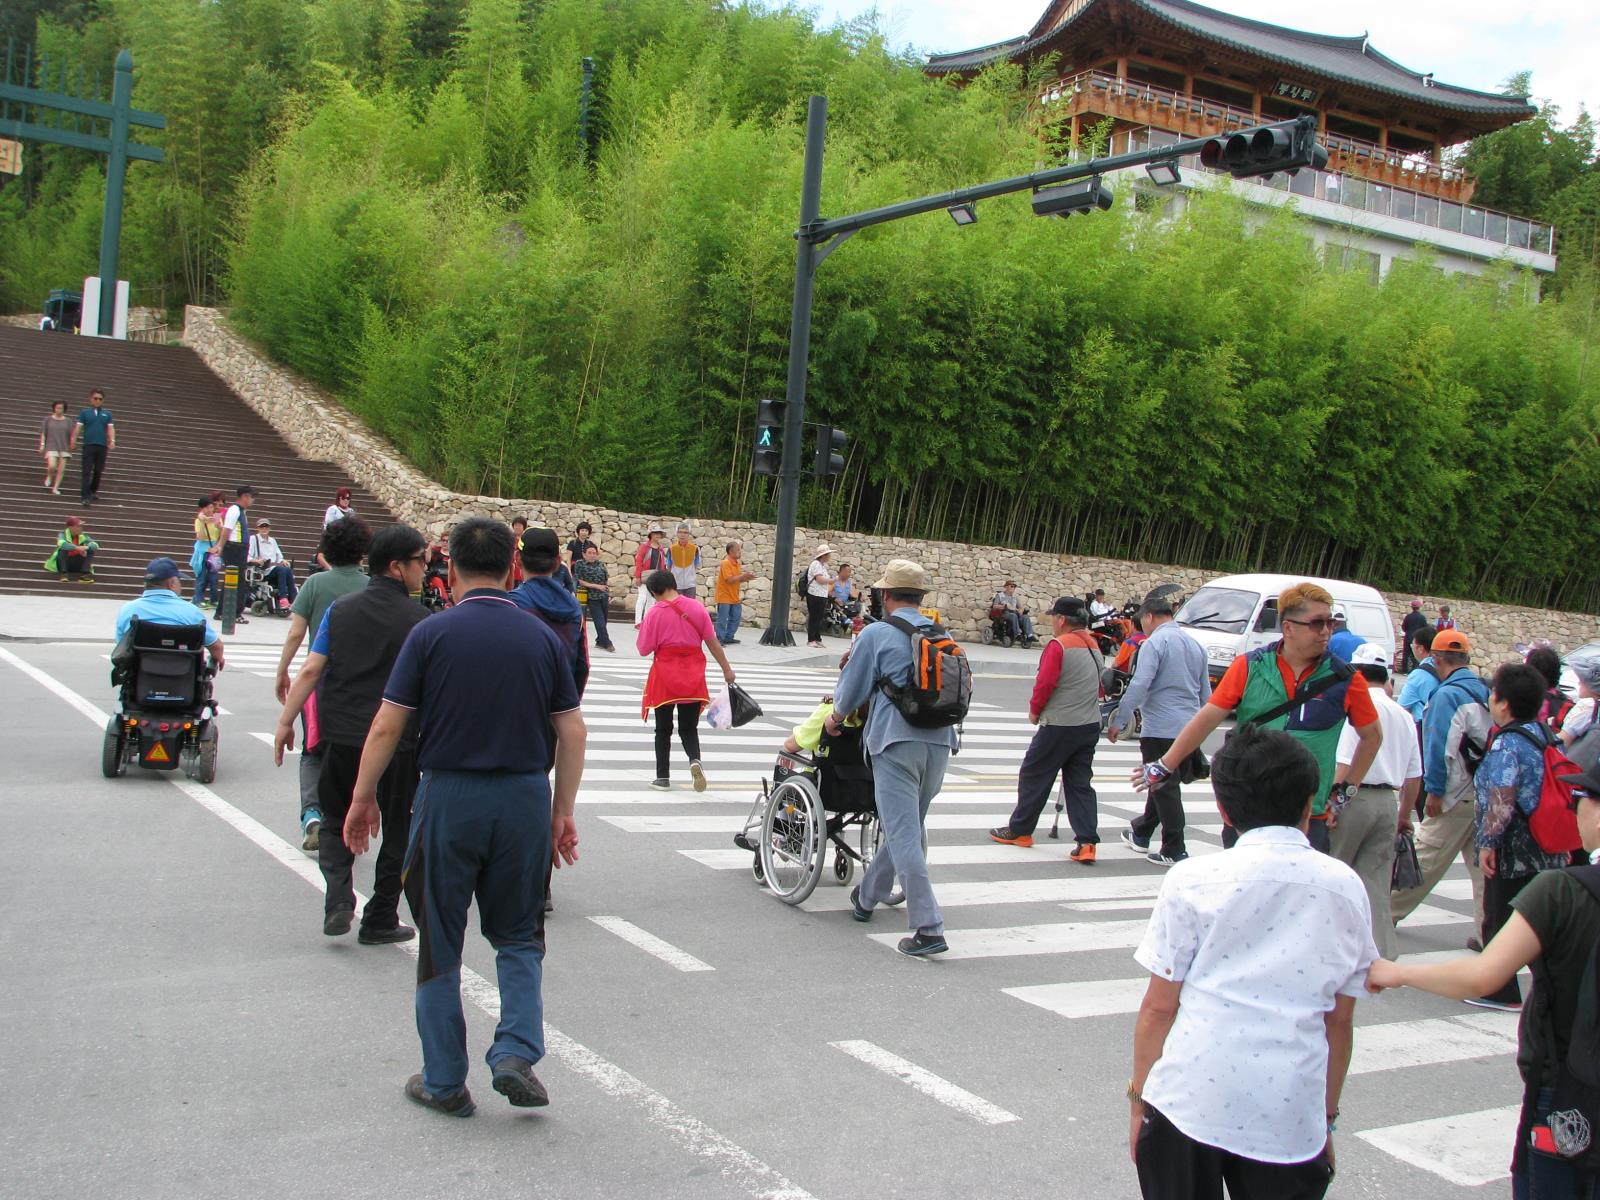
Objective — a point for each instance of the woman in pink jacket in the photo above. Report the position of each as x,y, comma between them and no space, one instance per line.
674,631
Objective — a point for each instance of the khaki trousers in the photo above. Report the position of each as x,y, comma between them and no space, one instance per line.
1364,840
1439,840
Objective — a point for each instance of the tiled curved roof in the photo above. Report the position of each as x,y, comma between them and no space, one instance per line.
1346,59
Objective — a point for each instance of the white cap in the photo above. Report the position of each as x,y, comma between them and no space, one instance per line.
1338,612
1369,654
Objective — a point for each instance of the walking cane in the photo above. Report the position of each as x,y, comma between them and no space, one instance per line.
1061,802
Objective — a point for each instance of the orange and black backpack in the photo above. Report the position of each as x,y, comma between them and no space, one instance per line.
939,690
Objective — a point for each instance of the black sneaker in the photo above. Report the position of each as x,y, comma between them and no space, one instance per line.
1165,860
856,910
385,937
1130,839
459,1105
514,1079
661,785
920,945
338,922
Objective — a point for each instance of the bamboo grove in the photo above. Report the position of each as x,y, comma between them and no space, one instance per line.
392,196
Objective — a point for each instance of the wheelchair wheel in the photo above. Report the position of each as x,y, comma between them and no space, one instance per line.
113,756
205,763
987,635
755,869
843,868
794,840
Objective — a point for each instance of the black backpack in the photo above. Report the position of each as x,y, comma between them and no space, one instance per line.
800,585
1575,1110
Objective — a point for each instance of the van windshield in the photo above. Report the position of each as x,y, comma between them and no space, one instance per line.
1227,610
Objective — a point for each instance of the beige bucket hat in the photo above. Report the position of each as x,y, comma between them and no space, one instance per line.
903,575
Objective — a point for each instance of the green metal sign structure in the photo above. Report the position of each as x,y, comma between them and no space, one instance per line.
25,109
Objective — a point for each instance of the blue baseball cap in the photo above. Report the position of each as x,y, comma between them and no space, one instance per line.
159,571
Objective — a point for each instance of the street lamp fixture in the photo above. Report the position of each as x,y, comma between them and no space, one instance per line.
1078,195
1163,174
963,214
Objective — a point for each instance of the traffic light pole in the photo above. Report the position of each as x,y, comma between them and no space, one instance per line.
794,416
816,239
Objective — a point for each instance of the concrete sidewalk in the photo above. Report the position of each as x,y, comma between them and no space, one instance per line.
76,617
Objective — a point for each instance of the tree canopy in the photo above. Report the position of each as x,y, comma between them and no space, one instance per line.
394,198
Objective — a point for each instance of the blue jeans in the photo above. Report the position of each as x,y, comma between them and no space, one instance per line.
281,577
728,618
207,586
482,835
906,777
1543,1177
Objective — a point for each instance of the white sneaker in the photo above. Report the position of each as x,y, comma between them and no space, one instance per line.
698,775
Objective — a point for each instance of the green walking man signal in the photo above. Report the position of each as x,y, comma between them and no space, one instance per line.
769,427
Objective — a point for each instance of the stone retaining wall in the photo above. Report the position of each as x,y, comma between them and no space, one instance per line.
138,318
965,576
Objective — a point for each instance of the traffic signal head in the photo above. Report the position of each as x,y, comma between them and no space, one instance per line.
769,437
1286,146
831,446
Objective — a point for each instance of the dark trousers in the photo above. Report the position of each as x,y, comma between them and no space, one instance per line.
1162,805
1173,1166
281,577
1067,751
597,614
91,468
335,786
816,615
1498,893
75,564
1408,658
234,555
484,836
688,734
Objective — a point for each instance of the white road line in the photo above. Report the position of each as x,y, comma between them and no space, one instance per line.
1010,941
1045,853
936,820
1392,1046
1084,885
1468,1149
926,1082
689,1133
651,944
1089,998
1454,889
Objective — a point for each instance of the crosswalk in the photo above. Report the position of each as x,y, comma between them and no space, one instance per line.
1076,911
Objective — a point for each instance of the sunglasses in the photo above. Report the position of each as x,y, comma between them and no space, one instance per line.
1316,624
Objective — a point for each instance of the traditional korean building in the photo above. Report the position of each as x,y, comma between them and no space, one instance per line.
1161,71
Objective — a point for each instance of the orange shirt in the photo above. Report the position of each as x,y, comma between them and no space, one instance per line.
729,590
1358,706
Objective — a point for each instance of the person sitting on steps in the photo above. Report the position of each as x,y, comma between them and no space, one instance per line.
73,556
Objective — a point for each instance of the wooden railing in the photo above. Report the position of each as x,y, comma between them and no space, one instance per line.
1197,116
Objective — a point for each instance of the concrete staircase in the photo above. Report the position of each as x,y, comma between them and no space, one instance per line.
181,434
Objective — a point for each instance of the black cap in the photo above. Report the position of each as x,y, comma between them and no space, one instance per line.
1588,781
541,539
1072,608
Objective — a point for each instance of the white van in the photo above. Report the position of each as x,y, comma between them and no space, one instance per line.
1233,615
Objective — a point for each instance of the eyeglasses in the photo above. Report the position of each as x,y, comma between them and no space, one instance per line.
421,558
1316,624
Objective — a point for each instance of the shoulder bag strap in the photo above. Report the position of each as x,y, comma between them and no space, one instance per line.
1309,690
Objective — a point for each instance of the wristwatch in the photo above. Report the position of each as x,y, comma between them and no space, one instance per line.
1133,1094
1338,798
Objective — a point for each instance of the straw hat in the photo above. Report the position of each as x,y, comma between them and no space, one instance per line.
903,575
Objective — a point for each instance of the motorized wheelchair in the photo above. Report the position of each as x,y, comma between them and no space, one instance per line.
260,599
999,631
810,803
167,715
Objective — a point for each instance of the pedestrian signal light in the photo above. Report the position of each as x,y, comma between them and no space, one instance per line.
769,437
831,446
1264,152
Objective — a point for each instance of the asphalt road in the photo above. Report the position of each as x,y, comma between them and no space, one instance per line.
179,1026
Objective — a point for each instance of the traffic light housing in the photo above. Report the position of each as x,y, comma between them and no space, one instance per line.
1287,146
831,446
1075,196
769,437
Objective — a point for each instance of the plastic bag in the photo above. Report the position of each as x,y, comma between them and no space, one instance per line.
719,713
1407,871
745,709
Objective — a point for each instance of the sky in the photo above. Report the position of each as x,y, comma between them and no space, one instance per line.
1471,43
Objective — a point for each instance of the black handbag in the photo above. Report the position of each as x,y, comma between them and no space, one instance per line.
1407,872
745,709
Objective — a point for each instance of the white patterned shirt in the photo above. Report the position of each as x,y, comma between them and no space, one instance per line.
1264,938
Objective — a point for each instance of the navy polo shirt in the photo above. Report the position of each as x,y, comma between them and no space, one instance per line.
95,421
485,682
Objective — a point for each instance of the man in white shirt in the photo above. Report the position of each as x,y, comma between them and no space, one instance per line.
280,573
1097,605
1244,1036
1365,814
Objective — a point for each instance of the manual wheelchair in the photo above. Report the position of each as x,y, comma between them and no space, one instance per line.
810,804
167,715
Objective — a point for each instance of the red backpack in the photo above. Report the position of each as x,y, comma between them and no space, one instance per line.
1553,824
